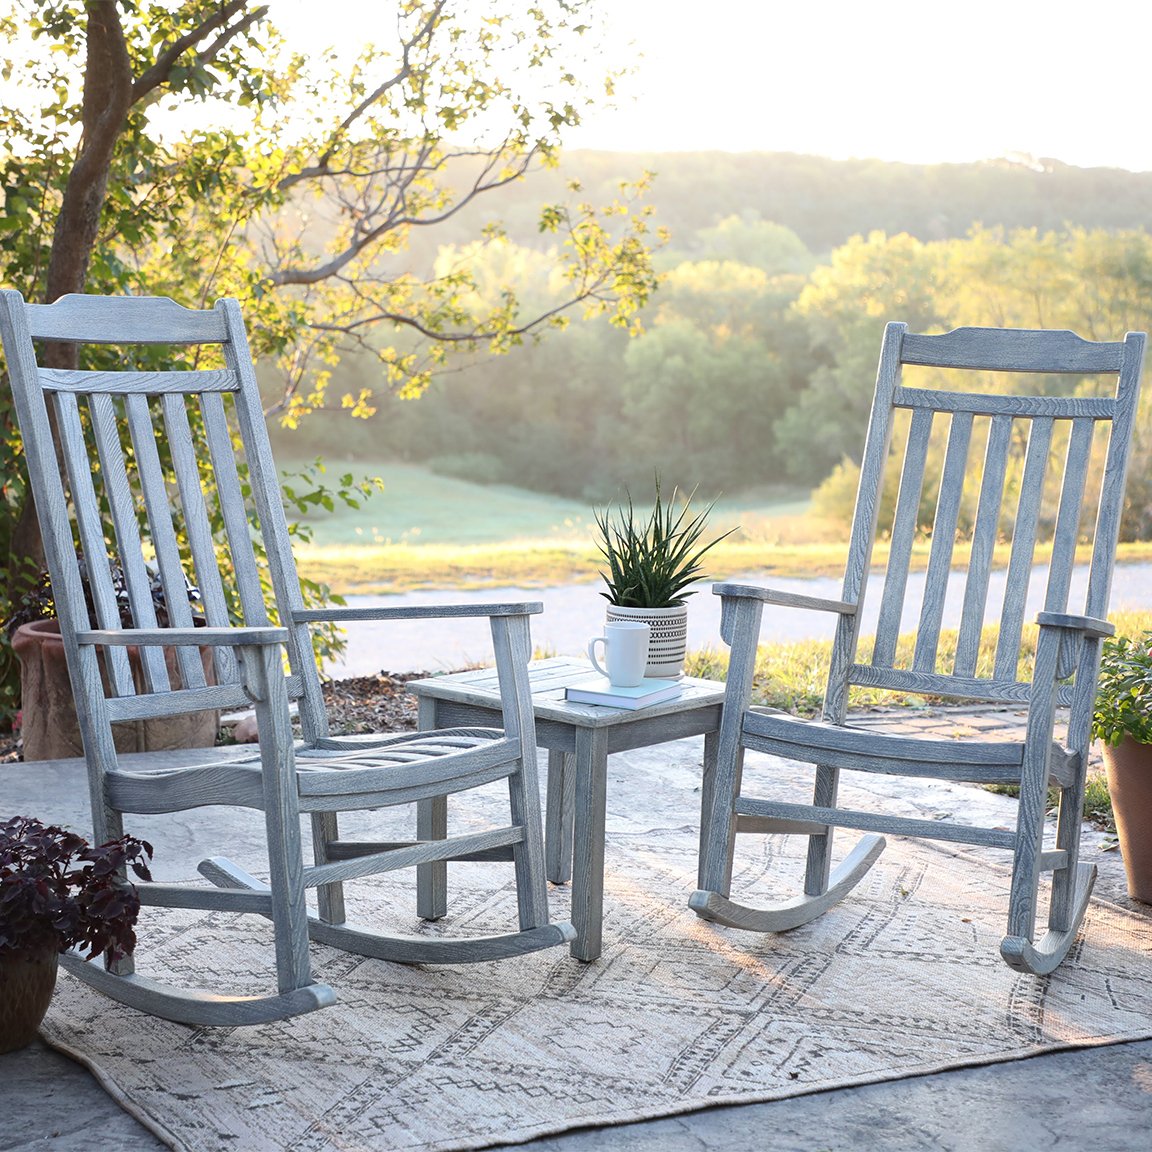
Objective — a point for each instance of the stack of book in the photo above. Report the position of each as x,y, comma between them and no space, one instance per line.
600,690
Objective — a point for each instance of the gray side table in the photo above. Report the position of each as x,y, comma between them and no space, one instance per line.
579,739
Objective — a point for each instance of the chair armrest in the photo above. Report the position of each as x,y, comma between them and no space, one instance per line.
1069,634
416,612
786,599
1089,625
175,637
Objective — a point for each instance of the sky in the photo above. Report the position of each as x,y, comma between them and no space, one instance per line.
908,80
892,79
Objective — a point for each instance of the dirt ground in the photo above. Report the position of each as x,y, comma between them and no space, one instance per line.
360,704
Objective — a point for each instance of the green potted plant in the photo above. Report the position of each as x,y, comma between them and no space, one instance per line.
1122,720
48,725
57,893
651,562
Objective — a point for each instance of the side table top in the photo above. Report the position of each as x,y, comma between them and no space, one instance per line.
548,679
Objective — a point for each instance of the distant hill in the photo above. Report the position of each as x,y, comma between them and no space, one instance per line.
827,201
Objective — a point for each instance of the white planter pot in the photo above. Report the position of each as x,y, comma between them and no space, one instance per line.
669,641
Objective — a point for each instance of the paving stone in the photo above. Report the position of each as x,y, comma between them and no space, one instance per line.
1098,1098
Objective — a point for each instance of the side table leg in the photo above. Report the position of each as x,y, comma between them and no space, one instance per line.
707,790
591,772
558,816
431,824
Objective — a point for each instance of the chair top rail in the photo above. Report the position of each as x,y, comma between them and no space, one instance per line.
983,404
1012,350
192,381
123,320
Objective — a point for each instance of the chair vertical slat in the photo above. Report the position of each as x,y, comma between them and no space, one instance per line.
983,550
233,508
943,540
269,503
1068,519
122,505
199,527
157,502
1023,545
81,483
903,536
864,521
1115,474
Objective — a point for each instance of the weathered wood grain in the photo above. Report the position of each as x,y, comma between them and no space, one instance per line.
579,739
1096,431
147,459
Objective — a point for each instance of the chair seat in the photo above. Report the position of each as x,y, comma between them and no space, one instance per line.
340,753
866,750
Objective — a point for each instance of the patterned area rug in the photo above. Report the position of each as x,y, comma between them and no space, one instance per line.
901,978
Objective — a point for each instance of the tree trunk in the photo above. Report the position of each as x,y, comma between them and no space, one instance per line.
107,99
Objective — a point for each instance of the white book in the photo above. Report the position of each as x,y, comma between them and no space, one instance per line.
600,690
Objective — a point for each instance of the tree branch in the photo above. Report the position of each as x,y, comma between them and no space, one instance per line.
364,237
161,70
321,167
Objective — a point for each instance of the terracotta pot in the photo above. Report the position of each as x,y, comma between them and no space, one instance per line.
669,642
26,985
1129,769
49,726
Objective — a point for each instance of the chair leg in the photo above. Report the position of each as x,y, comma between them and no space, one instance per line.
819,865
265,680
559,813
329,897
1071,889
1061,910
1072,883
432,879
718,837
739,626
528,855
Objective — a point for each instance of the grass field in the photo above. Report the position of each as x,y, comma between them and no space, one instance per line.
429,531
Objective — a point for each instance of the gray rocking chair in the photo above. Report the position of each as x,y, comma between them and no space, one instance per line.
1052,475
142,458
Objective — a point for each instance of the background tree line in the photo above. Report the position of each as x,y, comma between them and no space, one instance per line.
757,360
183,148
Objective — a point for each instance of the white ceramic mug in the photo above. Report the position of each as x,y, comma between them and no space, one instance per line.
625,652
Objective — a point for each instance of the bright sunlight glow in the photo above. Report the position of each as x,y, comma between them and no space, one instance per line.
891,79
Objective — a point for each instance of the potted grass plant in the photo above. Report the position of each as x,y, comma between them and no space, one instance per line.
1122,721
58,893
651,562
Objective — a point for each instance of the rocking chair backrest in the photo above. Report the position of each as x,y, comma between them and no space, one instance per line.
1003,472
144,458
